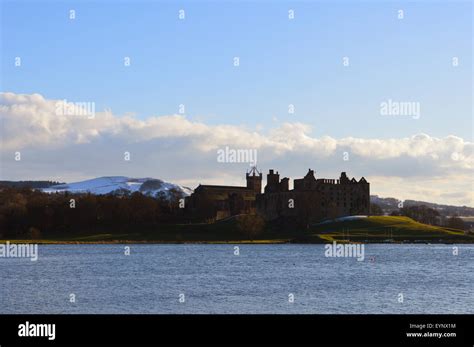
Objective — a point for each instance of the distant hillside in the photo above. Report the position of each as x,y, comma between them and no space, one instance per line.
122,185
446,210
118,185
28,184
389,205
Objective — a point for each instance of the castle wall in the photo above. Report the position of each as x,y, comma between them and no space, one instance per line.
221,201
316,199
311,200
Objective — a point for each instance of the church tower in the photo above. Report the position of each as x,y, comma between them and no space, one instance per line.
254,180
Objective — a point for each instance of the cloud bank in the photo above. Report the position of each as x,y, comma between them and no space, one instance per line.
68,147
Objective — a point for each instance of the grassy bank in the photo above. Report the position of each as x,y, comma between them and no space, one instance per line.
382,229
376,229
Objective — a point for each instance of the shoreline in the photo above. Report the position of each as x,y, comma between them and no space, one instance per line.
373,229
233,242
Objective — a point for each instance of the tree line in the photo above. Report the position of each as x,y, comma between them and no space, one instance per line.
30,213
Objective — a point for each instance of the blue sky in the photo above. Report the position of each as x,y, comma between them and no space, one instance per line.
282,62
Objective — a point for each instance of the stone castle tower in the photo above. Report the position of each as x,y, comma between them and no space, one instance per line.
254,180
274,184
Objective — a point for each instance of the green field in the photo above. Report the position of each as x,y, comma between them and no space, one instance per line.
378,229
388,229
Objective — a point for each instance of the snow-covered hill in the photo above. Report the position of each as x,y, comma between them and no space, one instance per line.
122,185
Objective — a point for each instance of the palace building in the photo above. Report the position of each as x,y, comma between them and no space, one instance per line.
311,199
314,199
224,201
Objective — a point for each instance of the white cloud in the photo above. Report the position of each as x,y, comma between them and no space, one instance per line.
451,189
162,145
